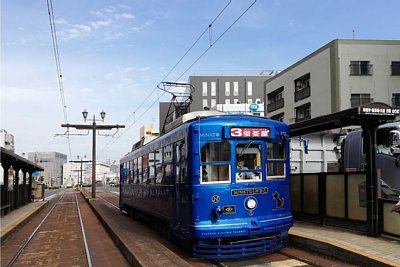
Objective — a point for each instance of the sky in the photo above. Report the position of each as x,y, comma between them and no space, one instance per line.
113,54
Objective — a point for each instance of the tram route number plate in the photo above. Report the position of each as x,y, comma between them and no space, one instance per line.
249,191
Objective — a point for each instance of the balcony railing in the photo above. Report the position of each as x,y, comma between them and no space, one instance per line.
275,105
302,93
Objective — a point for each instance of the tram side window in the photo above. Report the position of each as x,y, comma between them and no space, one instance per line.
130,171
248,162
133,169
138,178
215,158
276,157
159,172
145,164
124,173
152,168
184,163
167,170
180,162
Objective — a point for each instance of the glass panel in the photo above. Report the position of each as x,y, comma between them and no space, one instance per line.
275,168
215,173
145,162
248,159
158,166
216,152
275,150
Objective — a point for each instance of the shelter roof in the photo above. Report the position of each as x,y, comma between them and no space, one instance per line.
375,113
9,158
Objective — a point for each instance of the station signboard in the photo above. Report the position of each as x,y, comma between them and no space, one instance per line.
380,111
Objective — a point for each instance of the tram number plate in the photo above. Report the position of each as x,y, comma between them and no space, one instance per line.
249,191
229,209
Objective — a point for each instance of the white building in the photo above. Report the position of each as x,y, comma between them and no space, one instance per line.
7,140
339,75
73,171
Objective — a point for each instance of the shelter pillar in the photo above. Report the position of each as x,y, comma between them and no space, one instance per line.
372,183
16,187
4,194
23,200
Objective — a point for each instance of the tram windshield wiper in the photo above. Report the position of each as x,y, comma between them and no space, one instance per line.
246,147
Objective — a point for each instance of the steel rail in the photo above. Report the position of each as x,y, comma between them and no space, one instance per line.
22,247
88,258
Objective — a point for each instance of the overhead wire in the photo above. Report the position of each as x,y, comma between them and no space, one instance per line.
180,60
58,65
211,44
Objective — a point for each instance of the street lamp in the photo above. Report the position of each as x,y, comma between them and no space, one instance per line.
94,127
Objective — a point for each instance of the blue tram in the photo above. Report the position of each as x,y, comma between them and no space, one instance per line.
219,184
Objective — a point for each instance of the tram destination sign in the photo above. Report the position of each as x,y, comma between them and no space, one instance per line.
380,111
250,132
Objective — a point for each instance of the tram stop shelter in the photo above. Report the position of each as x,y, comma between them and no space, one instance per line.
369,117
17,192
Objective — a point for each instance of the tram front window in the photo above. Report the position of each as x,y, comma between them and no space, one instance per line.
215,157
248,162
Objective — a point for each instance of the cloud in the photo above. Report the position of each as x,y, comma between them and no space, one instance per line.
109,9
100,23
142,26
125,16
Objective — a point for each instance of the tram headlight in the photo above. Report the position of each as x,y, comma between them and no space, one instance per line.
251,203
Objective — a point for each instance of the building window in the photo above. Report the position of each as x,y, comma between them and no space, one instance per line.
249,101
275,100
205,89
396,100
360,68
227,101
278,117
213,88
205,103
302,87
235,88
395,68
360,99
236,101
213,102
258,100
227,88
303,112
249,88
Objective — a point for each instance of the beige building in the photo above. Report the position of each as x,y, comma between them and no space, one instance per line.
339,75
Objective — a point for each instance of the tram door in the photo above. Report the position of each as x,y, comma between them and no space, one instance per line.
180,201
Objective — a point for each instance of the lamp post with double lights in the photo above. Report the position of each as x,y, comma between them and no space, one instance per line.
93,127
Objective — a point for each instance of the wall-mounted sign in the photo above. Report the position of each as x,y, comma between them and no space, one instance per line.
254,107
380,111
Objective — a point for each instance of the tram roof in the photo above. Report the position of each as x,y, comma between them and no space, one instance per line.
375,113
191,116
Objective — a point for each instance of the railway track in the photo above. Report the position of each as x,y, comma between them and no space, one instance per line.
65,233
289,256
48,242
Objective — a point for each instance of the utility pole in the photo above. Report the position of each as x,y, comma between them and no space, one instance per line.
81,170
93,127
